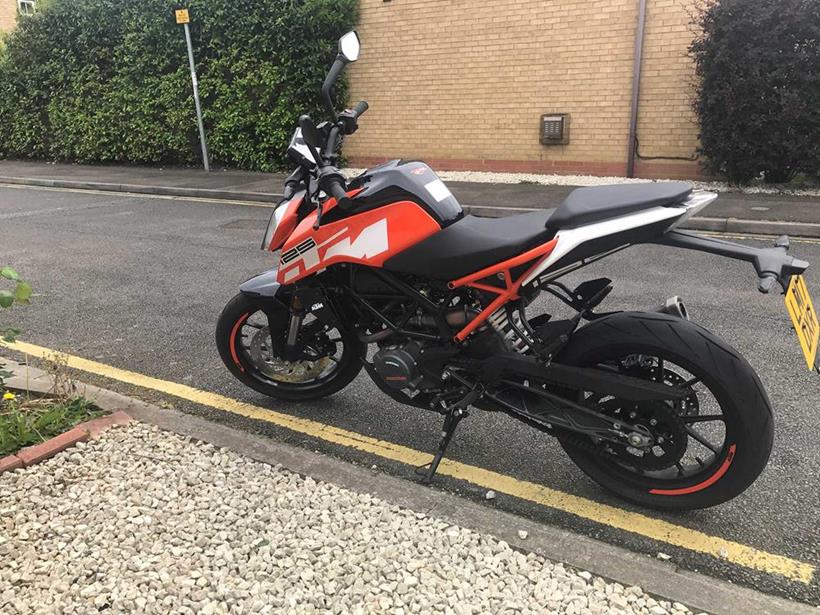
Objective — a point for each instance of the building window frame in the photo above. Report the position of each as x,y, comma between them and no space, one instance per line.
26,7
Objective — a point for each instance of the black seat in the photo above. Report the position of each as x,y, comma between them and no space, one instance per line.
587,205
471,244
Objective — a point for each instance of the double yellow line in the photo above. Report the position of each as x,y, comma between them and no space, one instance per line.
636,523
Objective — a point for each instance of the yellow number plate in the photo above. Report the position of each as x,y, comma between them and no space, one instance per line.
804,318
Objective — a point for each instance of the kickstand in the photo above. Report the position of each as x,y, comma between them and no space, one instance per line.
453,417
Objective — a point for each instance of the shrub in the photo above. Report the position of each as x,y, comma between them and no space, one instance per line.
758,99
107,80
20,293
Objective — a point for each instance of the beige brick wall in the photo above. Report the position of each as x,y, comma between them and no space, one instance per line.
463,83
8,15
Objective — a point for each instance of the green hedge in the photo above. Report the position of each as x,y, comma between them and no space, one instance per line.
758,102
107,80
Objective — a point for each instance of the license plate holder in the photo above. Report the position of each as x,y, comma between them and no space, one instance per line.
804,318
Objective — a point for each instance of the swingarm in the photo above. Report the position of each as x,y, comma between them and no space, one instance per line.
487,384
505,365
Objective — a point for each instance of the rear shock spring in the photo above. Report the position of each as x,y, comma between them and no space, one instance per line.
511,325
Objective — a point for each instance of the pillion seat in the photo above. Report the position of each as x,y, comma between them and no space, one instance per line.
474,243
587,205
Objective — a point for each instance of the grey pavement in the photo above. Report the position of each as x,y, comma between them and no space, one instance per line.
483,198
138,282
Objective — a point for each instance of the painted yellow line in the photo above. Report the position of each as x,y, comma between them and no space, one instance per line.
628,521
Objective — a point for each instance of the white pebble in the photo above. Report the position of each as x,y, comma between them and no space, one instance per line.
191,528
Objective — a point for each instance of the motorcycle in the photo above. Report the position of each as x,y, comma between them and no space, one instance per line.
386,273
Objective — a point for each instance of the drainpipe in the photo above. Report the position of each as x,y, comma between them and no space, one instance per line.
636,90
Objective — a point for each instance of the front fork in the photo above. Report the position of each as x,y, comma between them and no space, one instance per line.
297,315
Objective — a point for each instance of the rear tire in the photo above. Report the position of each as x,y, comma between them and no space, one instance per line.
238,360
747,414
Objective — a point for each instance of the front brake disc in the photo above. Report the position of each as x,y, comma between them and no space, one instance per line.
276,368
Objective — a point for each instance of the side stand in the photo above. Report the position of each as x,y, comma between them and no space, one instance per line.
452,418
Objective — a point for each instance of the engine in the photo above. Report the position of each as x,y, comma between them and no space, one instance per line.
398,365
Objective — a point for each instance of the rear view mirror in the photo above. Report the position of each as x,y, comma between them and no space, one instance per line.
349,46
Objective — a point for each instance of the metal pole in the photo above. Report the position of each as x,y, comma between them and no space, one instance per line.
636,89
196,100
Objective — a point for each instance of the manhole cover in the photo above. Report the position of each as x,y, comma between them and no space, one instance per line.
245,224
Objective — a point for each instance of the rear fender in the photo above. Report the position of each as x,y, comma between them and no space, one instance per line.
773,265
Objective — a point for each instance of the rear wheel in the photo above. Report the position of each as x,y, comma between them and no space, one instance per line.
250,336
708,447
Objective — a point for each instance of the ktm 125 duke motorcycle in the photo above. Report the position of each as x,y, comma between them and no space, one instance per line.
650,405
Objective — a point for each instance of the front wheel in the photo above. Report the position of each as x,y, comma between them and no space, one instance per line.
709,447
250,335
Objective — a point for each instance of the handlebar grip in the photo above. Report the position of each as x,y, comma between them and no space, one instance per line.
337,191
360,107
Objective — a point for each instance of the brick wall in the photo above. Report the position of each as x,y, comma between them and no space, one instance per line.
8,15
462,84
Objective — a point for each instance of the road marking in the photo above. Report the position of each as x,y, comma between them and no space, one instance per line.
758,237
32,212
140,195
636,523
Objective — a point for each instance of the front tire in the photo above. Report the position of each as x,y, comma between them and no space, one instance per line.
746,414
244,317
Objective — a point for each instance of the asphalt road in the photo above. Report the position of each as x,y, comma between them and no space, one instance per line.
138,283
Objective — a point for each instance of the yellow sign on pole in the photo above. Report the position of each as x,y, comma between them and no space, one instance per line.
182,16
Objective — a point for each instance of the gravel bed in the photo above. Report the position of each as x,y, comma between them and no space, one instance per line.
483,177
143,521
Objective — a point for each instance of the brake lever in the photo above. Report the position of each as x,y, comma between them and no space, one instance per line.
319,211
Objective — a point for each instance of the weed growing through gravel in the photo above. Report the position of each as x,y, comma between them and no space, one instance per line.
27,421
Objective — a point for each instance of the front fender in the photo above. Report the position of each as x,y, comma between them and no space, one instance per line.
262,285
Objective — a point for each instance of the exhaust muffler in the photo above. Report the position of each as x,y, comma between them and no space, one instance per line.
674,307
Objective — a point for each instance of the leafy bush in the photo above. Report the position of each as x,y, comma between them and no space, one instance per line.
758,102
108,81
20,293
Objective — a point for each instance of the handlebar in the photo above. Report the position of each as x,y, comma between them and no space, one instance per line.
338,192
332,182
359,108
292,184
330,146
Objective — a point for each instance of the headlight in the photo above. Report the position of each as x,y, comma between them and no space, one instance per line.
282,222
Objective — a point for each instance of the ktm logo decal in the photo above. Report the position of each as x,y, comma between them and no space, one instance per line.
371,242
